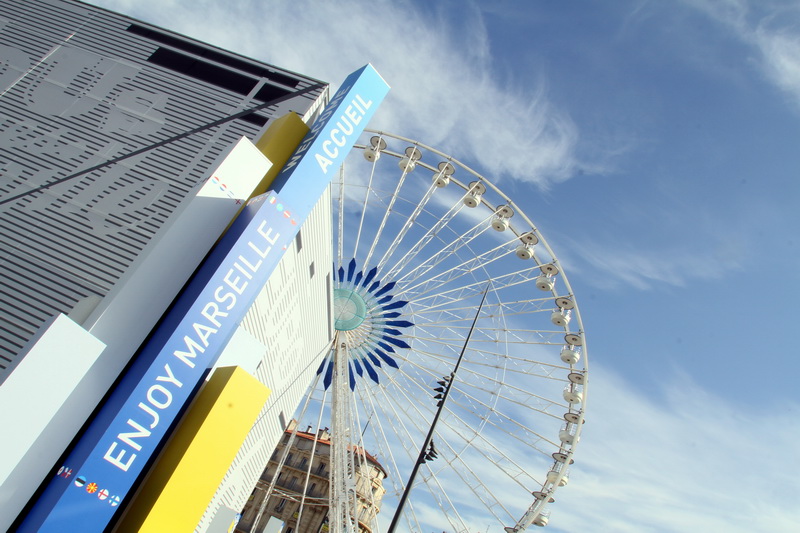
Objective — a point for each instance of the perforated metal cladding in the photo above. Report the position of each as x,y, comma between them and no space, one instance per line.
79,87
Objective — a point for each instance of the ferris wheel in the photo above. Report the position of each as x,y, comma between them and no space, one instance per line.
459,352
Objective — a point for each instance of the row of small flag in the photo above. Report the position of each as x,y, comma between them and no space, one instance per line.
91,488
280,208
222,187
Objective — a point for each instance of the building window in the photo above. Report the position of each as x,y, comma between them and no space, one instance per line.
281,505
321,469
303,462
310,491
311,270
298,241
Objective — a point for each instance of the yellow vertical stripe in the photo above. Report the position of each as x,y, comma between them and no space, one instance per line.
278,143
192,465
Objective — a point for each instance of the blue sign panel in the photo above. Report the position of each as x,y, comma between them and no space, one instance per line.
139,414
323,150
132,424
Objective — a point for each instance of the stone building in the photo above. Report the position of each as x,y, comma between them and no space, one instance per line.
301,489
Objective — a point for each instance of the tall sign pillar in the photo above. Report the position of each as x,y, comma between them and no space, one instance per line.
131,427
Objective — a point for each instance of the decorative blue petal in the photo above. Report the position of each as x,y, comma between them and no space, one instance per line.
394,314
389,361
374,286
358,278
351,269
370,275
399,323
386,288
321,366
341,274
375,360
328,374
371,371
385,299
397,342
391,331
352,377
395,305
386,347
358,367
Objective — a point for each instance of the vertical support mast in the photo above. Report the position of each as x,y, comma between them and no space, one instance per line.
343,513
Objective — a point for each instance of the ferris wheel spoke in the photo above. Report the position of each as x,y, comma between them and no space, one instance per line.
495,460
410,395
382,226
519,365
308,470
281,462
466,267
473,481
367,190
417,248
517,431
546,338
403,436
382,441
436,491
472,289
449,249
520,307
520,397
504,390
406,227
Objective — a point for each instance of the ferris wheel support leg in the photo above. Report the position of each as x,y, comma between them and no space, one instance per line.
343,513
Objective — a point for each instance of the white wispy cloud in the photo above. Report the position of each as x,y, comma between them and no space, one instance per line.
771,27
610,265
680,459
444,89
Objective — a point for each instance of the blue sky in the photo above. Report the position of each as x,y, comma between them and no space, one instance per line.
656,146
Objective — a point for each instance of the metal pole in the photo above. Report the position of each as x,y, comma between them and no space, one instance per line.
428,438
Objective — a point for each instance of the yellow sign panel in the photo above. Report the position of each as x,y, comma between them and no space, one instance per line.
192,465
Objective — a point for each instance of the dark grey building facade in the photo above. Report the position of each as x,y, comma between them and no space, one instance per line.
79,86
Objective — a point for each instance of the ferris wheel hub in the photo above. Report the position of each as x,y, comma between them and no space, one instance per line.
349,308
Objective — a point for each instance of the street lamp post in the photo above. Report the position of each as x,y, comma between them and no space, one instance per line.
427,450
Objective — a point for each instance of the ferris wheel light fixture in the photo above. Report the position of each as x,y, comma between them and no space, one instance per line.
409,162
373,152
570,356
560,318
524,252
545,283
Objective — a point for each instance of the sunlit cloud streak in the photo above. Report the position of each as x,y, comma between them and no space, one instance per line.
612,265
772,28
680,459
444,89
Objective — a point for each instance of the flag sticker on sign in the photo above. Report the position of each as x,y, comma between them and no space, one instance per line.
102,494
114,501
80,481
91,488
